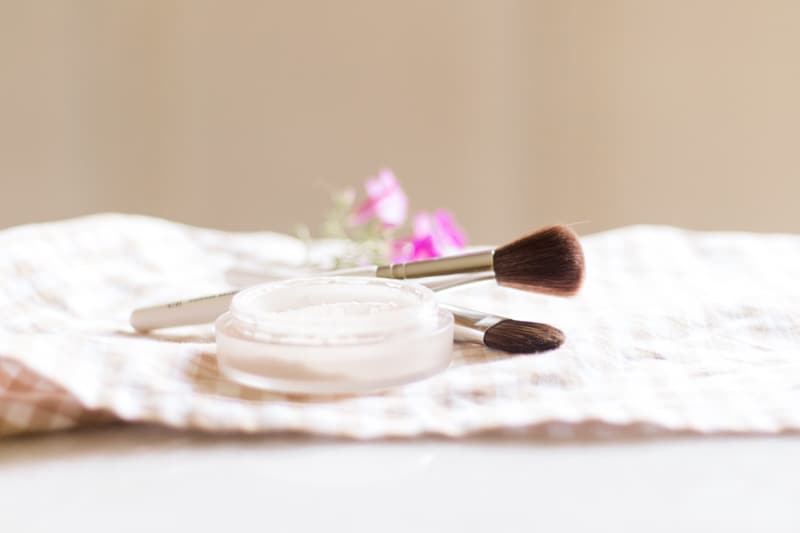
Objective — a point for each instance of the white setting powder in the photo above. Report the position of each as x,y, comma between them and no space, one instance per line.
333,335
325,310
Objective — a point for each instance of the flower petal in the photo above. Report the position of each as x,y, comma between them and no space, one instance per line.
386,201
449,231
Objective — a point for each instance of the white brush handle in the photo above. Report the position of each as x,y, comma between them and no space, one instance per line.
471,325
205,309
182,313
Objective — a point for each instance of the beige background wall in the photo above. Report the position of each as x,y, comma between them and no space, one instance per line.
243,114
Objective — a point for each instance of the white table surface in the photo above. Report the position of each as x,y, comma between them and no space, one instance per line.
144,479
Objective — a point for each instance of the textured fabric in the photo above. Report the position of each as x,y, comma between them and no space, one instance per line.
674,331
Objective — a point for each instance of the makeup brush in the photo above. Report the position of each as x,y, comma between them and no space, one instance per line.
548,261
505,334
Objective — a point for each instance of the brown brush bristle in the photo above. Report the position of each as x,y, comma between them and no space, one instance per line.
515,336
549,261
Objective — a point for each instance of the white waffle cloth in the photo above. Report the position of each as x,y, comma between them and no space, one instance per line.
675,331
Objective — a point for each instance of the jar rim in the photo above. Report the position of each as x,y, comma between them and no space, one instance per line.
332,310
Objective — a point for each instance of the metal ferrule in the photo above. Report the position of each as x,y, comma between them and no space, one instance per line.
457,264
471,325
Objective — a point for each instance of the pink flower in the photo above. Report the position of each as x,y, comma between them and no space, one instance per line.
386,201
434,235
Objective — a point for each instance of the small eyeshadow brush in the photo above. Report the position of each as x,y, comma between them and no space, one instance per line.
505,334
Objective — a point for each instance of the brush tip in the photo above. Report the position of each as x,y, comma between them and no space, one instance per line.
516,336
549,261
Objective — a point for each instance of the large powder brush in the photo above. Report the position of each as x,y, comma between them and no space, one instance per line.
548,261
